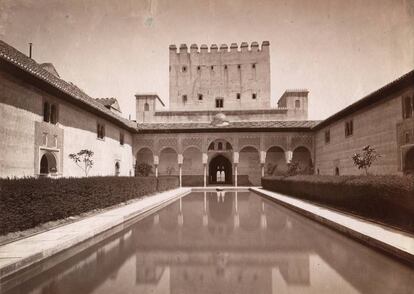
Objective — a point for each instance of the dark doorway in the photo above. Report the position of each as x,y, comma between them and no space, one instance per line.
47,164
220,170
409,162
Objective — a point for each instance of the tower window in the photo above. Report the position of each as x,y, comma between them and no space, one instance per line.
46,112
184,68
198,67
238,96
238,66
225,67
253,65
254,96
297,103
200,96
146,106
219,103
212,67
184,98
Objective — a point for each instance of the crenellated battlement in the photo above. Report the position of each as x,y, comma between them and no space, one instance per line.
234,47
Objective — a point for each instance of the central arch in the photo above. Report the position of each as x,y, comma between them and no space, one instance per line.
220,165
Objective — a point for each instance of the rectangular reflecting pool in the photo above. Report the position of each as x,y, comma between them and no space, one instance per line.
220,242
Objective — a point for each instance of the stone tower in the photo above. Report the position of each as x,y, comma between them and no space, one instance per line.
220,78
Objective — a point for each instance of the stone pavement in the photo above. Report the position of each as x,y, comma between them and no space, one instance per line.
22,253
392,241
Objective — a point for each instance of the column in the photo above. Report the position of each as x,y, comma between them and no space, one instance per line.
235,161
156,162
236,215
180,215
205,215
289,156
204,161
180,170
262,162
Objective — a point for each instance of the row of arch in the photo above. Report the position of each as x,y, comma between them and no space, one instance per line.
221,160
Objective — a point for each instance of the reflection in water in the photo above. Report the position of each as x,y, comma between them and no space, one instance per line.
219,243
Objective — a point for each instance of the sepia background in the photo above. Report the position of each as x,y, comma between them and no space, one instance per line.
339,50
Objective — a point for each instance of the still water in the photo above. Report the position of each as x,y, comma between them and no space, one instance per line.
222,242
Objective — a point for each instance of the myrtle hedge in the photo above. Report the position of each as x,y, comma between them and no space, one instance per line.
384,199
26,203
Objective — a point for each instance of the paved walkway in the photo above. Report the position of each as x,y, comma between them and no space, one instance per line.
22,253
393,241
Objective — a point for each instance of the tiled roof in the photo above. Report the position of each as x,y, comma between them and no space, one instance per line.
384,92
28,65
109,102
240,125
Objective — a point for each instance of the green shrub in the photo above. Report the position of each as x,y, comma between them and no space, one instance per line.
385,199
26,203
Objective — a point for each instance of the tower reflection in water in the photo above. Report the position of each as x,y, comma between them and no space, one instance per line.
220,242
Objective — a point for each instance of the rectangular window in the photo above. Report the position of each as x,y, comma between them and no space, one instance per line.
46,112
327,136
238,96
297,103
121,138
407,137
349,128
219,103
254,96
50,113
407,107
184,98
100,130
200,96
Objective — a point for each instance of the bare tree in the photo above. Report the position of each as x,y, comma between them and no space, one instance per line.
365,159
83,159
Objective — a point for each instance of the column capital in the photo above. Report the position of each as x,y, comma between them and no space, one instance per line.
156,160
235,157
204,158
180,158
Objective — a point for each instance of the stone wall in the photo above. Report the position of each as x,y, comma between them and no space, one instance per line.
374,125
26,137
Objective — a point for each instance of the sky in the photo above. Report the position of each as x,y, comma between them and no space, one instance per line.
339,50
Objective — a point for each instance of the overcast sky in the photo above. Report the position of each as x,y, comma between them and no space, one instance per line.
339,50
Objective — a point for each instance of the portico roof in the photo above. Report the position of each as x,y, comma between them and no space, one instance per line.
239,126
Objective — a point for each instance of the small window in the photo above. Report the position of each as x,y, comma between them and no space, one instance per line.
297,103
349,128
327,136
212,67
46,112
220,146
146,106
336,171
219,103
53,114
407,107
198,67
238,66
225,67
407,137
254,96
200,96
184,98
238,96
100,131
184,69
253,65
121,138
228,146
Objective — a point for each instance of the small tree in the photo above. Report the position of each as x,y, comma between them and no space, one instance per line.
143,169
83,159
365,159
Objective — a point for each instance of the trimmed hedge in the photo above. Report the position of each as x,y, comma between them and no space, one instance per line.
26,203
385,199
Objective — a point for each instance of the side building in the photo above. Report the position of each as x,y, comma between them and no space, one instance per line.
43,119
382,119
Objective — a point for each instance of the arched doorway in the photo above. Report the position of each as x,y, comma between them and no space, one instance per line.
220,170
249,170
409,162
168,162
144,162
303,157
275,163
48,164
117,168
